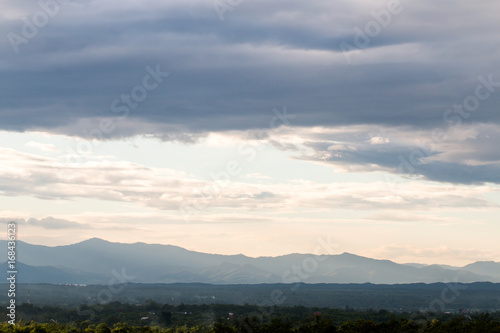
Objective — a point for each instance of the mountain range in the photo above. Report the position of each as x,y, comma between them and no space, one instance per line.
96,261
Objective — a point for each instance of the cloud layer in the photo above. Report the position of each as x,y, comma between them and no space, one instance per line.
407,67
109,179
229,74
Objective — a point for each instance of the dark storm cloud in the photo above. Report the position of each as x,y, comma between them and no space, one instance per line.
230,74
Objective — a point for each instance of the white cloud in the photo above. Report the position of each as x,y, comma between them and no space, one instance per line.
45,147
378,140
108,179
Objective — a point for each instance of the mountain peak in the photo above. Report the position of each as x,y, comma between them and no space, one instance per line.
346,254
93,241
96,259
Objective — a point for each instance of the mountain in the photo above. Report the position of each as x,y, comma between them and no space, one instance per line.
50,274
489,268
96,261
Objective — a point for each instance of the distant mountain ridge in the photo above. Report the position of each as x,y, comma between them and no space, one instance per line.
96,261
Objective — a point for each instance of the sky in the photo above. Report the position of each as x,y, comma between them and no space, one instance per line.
254,127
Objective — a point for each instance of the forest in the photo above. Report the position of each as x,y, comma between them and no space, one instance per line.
215,318
407,297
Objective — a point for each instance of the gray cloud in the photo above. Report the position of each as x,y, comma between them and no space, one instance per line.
228,75
54,223
410,162
49,223
464,154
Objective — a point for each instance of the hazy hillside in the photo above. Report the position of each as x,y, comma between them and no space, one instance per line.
99,261
489,268
51,274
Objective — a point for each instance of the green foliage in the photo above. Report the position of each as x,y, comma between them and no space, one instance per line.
152,317
480,324
222,327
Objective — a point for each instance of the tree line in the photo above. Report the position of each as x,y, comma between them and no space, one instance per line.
228,318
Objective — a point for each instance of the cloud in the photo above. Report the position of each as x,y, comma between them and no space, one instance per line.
109,179
463,154
49,223
54,223
377,140
45,147
229,75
